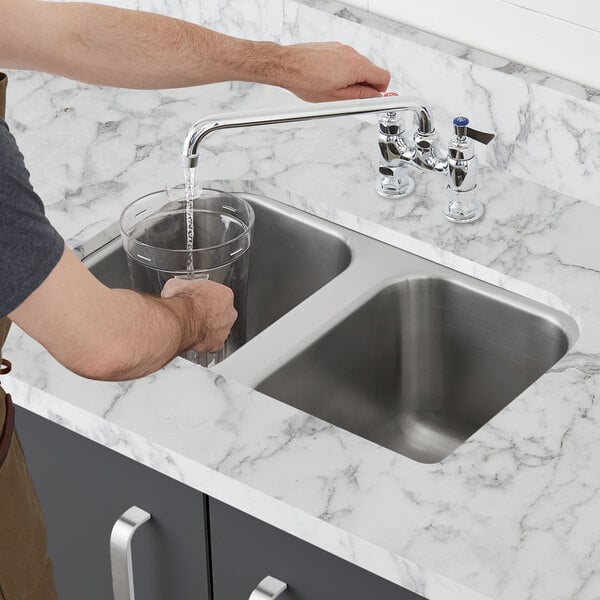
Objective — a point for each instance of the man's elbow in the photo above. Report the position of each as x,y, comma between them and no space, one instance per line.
100,371
109,363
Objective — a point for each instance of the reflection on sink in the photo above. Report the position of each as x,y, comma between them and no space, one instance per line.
421,366
291,257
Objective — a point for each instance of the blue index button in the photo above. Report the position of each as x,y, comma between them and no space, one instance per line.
460,121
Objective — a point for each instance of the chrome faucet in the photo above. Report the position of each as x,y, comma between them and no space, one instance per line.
323,110
396,153
460,164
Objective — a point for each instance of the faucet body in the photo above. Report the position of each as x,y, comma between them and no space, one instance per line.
308,112
459,164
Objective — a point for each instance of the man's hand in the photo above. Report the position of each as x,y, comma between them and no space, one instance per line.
322,72
213,302
134,49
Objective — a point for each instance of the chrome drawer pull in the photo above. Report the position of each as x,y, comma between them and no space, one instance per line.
120,551
268,589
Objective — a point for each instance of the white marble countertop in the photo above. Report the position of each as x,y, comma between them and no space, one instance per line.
510,514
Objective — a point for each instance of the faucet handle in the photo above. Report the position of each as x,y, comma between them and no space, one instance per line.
462,130
462,205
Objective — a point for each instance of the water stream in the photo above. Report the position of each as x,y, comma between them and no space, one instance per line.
189,176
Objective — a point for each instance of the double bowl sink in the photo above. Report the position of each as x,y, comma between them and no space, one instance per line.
390,346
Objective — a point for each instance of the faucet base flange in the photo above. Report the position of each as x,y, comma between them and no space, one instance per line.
459,212
393,188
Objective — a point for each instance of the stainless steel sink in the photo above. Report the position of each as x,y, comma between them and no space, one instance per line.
387,345
435,359
291,257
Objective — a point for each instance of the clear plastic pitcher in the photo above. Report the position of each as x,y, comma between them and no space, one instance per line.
153,231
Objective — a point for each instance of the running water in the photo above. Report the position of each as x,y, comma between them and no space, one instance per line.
189,176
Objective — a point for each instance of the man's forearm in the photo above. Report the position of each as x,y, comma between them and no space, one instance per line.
105,334
123,48
149,333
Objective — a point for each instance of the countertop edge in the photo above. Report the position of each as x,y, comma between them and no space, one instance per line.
241,496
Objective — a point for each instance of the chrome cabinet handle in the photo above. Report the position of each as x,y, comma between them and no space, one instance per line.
268,589
120,551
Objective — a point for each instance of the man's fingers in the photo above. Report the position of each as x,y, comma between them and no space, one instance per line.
381,81
173,287
358,92
211,310
325,71
370,73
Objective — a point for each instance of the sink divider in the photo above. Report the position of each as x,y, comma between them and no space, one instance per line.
303,325
374,265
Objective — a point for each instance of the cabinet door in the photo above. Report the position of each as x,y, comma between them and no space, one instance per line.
244,550
84,488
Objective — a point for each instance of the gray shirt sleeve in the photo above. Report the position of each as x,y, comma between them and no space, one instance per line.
29,246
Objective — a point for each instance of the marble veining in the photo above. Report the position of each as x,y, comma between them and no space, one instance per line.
544,126
530,74
512,513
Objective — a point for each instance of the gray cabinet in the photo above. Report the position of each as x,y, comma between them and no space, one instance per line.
192,548
84,488
244,550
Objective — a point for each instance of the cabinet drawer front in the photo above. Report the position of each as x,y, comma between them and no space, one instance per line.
244,550
84,488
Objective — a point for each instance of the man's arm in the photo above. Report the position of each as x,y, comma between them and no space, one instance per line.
133,49
108,334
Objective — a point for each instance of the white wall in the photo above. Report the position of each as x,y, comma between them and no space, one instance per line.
579,12
561,37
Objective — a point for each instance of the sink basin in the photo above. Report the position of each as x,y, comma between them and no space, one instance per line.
421,366
291,257
400,350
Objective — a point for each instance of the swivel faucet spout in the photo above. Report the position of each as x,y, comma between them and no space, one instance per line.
307,112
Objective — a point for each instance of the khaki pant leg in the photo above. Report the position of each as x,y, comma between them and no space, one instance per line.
25,569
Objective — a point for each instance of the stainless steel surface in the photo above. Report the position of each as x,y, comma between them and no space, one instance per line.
308,112
420,366
105,238
395,348
120,551
268,589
